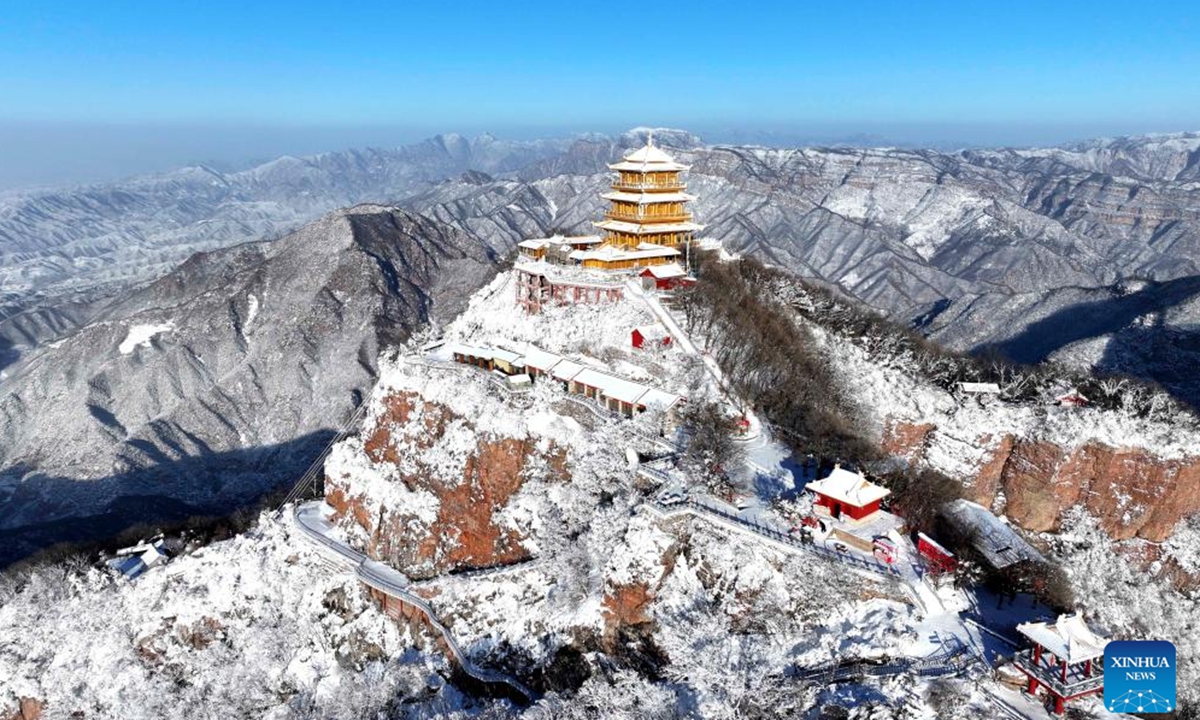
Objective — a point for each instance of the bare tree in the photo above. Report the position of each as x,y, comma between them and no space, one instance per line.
711,447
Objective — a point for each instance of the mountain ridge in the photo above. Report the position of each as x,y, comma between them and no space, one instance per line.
247,347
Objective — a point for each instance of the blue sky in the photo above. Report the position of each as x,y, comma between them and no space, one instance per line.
998,70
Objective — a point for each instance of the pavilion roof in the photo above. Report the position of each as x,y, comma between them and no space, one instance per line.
648,158
1068,638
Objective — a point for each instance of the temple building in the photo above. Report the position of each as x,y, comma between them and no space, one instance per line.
648,202
847,494
847,507
1067,659
647,225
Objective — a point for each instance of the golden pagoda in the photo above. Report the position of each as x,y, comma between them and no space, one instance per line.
647,222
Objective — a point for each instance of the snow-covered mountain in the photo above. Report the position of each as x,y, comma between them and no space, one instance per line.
208,386
1087,255
65,241
1084,254
533,525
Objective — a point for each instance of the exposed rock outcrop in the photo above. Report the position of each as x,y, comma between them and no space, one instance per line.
27,709
1034,482
907,441
462,528
1131,491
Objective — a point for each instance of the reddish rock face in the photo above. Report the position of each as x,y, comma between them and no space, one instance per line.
986,483
466,533
1131,491
907,440
626,606
27,709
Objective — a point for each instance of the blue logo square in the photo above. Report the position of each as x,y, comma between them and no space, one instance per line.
1139,676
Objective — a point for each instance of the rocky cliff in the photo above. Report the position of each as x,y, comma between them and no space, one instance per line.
408,443
1132,491
1129,456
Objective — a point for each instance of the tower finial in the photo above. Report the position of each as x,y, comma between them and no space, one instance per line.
650,138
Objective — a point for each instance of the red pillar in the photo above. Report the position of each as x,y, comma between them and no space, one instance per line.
1032,688
1087,669
1064,671
1058,705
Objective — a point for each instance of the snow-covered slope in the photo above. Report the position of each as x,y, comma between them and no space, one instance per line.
205,388
585,586
1131,457
527,530
253,627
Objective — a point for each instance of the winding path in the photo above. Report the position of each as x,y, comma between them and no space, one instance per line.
311,518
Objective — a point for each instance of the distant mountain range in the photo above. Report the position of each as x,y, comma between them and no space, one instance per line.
77,239
174,384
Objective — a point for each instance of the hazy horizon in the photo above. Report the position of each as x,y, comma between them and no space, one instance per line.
54,154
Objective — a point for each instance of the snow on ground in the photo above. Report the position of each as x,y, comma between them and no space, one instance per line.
892,391
731,614
141,335
255,626
1126,601
251,310
599,333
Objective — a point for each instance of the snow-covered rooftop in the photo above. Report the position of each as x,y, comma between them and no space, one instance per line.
995,539
648,158
645,198
559,240
848,487
611,253
569,273
979,387
629,227
659,398
652,332
535,357
666,272
505,355
1068,638
613,387
566,370
482,352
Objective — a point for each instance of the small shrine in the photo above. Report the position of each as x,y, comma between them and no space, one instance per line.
847,506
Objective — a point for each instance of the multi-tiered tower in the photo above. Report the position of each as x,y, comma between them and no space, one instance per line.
648,202
647,224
